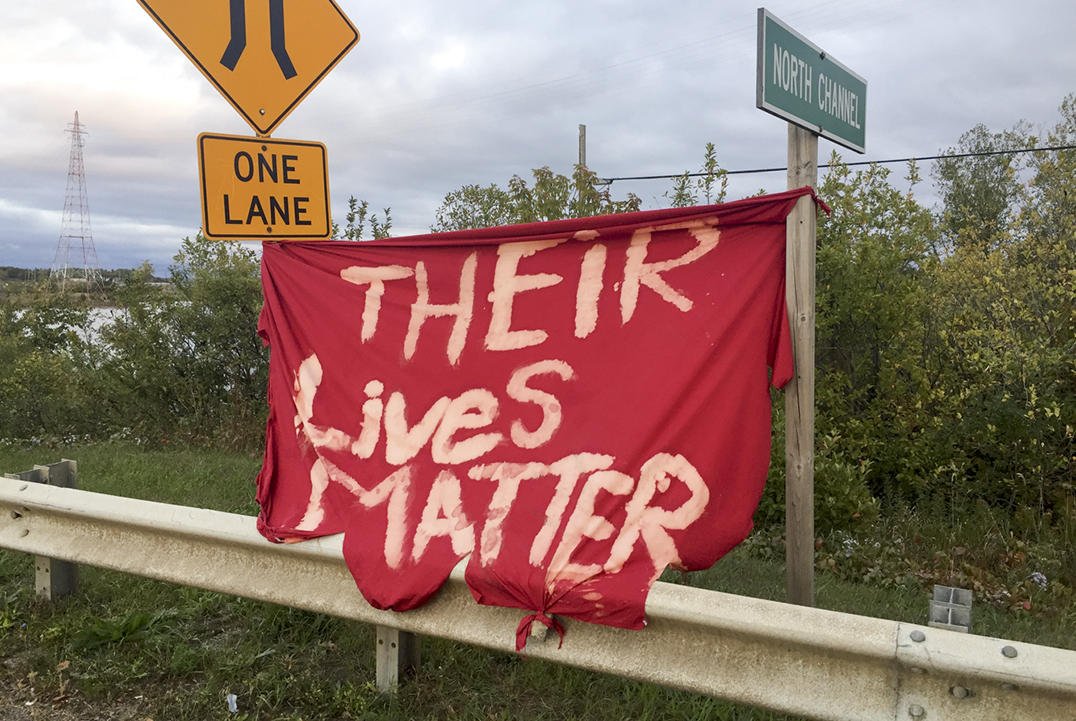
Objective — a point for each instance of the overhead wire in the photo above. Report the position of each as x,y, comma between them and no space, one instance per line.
945,156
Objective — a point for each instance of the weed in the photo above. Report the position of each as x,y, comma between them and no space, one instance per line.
10,611
132,628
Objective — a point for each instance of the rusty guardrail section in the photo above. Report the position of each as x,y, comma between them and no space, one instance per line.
814,663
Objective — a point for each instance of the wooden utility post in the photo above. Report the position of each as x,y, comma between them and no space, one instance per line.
583,145
799,394
798,81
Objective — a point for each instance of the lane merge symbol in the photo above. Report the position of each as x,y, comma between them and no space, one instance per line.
238,43
262,61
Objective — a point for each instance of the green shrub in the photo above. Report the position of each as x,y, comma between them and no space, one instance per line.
43,367
188,365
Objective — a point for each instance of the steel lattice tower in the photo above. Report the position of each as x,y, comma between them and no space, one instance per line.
75,254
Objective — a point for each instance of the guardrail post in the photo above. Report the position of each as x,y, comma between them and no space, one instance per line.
397,653
53,579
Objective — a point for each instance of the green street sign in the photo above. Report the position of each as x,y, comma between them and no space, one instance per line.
799,82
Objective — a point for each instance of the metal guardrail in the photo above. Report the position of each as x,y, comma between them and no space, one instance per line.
799,660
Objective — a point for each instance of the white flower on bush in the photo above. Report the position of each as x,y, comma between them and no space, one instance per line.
849,546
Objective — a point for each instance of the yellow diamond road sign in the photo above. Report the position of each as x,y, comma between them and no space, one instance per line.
263,188
263,55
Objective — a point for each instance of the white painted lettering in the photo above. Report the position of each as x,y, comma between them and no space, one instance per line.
476,408
508,477
551,409
586,523
570,469
506,285
397,490
443,516
637,272
375,277
403,443
651,522
371,421
590,287
463,309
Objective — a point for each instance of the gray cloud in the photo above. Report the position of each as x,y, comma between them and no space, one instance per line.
437,95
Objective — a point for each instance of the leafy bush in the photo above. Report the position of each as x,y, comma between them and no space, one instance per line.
842,499
188,365
42,362
552,197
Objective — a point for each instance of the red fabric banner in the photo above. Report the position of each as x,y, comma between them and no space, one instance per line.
575,404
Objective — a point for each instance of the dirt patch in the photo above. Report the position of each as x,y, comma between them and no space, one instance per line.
21,706
22,700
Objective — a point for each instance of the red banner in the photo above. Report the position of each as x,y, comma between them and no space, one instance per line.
575,404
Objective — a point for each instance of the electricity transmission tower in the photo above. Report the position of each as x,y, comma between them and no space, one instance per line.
76,257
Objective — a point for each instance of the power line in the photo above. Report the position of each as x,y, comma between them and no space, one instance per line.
75,254
607,181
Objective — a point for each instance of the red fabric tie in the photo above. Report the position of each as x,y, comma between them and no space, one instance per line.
525,624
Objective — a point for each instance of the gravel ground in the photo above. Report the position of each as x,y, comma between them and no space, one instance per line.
20,701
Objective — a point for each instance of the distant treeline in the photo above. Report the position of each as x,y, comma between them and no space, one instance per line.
38,275
23,274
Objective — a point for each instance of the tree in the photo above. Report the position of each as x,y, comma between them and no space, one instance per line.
357,214
43,366
877,383
188,364
1011,325
473,206
552,197
685,192
979,193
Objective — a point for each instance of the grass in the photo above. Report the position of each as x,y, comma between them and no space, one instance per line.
203,477
131,648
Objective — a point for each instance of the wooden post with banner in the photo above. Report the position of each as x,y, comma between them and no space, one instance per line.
818,96
799,393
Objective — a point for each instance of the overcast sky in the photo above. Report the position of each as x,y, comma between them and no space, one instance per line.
441,94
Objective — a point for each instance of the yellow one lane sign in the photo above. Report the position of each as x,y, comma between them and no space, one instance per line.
263,189
264,56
